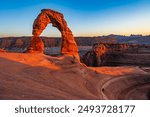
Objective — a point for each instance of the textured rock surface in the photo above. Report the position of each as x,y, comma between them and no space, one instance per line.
36,45
9,42
37,76
117,54
47,16
19,43
96,57
1,50
100,51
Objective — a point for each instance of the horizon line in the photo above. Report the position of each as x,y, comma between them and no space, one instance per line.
80,36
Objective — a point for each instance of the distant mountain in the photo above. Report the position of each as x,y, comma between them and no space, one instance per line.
134,39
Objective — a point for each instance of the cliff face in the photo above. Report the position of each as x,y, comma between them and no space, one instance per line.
21,43
6,42
117,54
9,42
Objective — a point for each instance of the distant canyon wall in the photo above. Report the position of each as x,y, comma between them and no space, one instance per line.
106,54
53,44
23,42
91,57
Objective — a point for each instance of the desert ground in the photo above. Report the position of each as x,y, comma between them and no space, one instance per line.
39,76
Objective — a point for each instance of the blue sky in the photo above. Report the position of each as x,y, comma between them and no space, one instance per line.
84,17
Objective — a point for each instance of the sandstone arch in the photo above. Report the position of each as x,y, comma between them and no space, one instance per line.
47,16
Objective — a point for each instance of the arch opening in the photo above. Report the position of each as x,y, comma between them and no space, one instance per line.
51,37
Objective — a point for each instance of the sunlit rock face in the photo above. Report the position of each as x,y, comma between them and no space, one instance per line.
36,45
42,77
96,57
116,54
47,16
1,50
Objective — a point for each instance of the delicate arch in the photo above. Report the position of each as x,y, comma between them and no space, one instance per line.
47,16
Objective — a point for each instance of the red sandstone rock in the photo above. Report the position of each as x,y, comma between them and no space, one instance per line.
1,50
116,54
47,16
100,51
36,45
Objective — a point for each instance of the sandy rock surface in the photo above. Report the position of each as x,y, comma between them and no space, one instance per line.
37,76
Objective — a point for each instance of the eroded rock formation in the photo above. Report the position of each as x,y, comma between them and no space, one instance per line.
47,16
117,54
96,57
100,50
1,50
36,45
